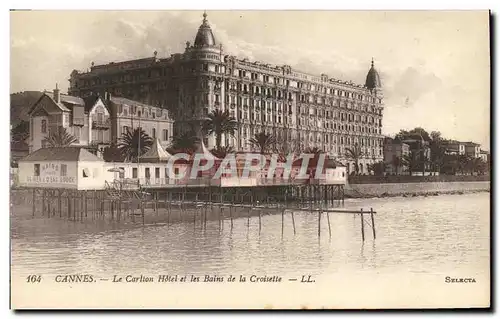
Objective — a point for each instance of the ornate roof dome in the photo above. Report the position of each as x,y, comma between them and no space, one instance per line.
204,37
373,79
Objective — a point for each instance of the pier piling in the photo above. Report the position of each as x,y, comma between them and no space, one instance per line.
33,203
373,224
241,201
328,219
362,226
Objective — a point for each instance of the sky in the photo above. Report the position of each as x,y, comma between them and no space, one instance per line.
434,65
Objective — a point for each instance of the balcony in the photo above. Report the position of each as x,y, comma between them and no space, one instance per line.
101,125
78,122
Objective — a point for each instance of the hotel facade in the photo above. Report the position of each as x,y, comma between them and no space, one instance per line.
301,110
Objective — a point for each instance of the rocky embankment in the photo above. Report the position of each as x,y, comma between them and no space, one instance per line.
414,189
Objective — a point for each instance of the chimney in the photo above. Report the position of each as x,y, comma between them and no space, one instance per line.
107,96
57,95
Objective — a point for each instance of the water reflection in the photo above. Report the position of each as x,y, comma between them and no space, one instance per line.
419,235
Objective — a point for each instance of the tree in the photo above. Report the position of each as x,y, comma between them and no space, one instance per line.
450,164
284,149
218,123
355,153
60,138
412,161
263,141
438,151
20,132
415,134
436,136
399,161
479,166
377,168
131,141
112,154
462,163
423,159
222,151
313,150
184,143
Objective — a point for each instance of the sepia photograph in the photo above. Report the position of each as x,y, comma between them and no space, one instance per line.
250,159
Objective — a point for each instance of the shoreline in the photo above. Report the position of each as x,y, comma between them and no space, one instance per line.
351,194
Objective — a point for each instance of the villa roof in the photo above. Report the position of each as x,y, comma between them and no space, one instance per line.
156,153
202,149
69,154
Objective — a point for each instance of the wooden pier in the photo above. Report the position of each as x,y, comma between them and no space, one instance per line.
196,204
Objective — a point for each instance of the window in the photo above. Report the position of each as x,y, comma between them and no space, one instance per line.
76,130
44,126
64,170
147,173
165,135
100,117
134,172
121,174
157,172
36,170
85,172
44,143
176,170
153,133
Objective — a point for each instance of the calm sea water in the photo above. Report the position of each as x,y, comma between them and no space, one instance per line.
414,235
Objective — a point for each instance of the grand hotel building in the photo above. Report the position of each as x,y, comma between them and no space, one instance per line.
300,109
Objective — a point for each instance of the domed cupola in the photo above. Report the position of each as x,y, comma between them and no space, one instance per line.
204,37
373,79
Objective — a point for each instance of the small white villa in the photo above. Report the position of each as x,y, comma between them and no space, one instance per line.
62,167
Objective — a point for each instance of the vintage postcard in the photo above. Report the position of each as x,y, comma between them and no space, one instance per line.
250,159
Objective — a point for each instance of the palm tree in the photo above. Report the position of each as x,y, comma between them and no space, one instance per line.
184,143
131,141
263,141
355,153
112,154
60,138
218,123
285,149
222,151
313,150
